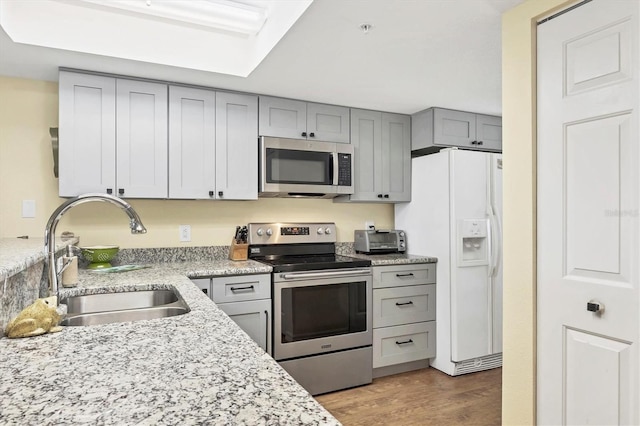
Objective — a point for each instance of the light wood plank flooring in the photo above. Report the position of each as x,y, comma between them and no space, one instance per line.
422,397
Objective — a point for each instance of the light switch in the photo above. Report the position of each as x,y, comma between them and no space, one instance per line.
28,208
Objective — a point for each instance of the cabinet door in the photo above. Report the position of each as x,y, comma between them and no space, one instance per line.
404,305
87,151
366,138
191,143
328,123
489,132
203,284
396,157
254,317
404,343
236,146
454,128
283,118
142,167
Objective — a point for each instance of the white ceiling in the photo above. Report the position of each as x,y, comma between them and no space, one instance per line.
419,53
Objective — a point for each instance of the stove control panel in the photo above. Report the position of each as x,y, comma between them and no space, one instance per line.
291,233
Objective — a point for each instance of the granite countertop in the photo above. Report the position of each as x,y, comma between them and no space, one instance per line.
196,368
17,254
393,258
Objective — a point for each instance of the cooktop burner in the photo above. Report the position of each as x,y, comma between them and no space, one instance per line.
289,247
314,262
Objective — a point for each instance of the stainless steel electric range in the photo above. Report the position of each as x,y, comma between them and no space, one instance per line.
322,325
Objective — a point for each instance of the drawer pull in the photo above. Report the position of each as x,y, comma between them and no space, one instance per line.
406,342
404,303
249,288
410,274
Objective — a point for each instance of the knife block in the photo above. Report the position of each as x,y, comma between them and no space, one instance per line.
238,251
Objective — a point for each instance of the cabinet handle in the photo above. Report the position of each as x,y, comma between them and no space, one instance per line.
406,342
479,142
220,193
379,195
304,134
121,191
211,193
109,190
266,331
386,195
312,135
410,274
404,303
234,289
474,142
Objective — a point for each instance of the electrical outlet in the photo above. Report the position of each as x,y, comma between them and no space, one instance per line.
185,233
369,224
28,208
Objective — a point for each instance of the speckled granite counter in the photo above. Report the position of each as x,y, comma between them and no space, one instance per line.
393,259
197,368
17,254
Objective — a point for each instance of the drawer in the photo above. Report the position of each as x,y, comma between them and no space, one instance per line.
404,305
400,275
241,287
404,343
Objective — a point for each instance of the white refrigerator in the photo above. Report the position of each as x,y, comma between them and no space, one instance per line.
455,214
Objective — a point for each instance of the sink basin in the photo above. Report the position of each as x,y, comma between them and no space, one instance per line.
126,306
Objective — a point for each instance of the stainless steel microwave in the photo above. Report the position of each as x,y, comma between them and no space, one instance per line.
302,168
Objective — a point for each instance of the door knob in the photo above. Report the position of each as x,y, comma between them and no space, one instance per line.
595,307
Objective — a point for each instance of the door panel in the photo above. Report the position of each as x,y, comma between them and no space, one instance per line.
597,371
328,123
588,230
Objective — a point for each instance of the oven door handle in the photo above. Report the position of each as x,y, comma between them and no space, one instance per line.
331,274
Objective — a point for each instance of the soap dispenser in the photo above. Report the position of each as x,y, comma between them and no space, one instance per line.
70,272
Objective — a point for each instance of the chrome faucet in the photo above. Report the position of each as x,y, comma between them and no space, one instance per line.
49,233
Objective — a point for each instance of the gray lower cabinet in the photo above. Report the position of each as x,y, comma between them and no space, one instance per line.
113,136
247,301
288,118
382,144
404,314
437,128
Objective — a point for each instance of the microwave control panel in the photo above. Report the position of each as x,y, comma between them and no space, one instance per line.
344,169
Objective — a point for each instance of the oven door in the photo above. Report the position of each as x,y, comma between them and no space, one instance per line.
321,311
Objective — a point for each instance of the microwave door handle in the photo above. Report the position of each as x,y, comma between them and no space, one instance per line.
334,168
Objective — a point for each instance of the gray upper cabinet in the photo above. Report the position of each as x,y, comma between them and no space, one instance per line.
213,145
437,128
113,136
382,144
87,134
192,141
287,118
141,139
236,146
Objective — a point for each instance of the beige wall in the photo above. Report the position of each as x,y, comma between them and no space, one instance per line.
28,108
518,121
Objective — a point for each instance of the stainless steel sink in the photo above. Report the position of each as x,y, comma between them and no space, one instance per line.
126,306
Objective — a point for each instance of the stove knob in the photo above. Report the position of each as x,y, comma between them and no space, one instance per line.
259,232
327,231
401,233
269,232
320,231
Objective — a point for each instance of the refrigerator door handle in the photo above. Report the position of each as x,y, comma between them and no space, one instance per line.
490,242
494,245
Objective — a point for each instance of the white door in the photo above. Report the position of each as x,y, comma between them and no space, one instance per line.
588,217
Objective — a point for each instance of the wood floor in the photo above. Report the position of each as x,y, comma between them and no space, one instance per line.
422,397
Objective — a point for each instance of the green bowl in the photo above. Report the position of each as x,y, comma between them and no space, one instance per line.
99,256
